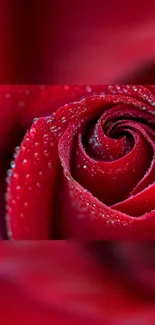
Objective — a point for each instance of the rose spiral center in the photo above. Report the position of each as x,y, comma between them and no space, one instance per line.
113,154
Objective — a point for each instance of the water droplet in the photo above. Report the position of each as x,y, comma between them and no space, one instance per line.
15,155
23,148
32,131
46,153
9,172
63,120
45,136
35,119
49,165
12,164
15,175
53,128
91,140
25,161
17,149
49,121
36,154
134,88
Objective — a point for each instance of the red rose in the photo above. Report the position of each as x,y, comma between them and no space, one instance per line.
88,170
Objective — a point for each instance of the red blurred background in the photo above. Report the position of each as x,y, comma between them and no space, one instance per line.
77,42
74,283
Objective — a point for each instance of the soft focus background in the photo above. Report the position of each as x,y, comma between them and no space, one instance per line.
77,283
77,41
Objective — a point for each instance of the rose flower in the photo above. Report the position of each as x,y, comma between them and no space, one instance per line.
88,169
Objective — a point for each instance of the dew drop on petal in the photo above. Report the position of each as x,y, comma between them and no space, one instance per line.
15,175
36,154
9,172
12,164
49,165
25,161
35,119
46,153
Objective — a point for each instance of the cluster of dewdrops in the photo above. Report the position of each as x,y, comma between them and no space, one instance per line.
128,90
83,205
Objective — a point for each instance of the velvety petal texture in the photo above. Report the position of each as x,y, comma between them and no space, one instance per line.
88,170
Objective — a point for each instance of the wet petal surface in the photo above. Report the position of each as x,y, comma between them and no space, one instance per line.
88,170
